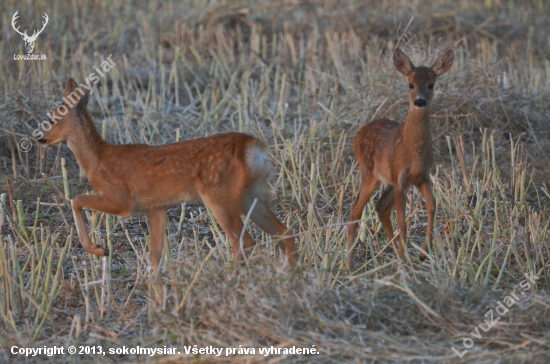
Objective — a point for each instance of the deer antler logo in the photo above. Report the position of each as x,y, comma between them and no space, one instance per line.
29,40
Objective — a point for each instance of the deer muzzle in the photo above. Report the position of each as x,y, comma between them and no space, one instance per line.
420,103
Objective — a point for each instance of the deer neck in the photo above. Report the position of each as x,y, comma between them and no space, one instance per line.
417,127
86,143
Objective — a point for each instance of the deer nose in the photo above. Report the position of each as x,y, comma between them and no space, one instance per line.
420,102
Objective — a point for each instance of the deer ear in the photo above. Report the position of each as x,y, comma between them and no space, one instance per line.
70,87
85,98
402,63
443,63
79,96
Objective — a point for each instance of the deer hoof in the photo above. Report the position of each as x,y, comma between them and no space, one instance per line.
105,250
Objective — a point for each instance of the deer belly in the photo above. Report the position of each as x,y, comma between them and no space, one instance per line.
165,197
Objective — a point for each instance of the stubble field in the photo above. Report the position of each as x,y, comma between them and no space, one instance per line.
303,76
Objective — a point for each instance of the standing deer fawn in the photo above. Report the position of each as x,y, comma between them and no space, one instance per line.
226,171
398,156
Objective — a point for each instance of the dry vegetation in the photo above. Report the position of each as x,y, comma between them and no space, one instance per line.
302,75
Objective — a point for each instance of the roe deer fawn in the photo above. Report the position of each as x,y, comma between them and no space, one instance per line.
398,156
226,171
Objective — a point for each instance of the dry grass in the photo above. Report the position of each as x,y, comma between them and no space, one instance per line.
303,76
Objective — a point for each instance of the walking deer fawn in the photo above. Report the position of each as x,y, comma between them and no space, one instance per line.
226,171
398,156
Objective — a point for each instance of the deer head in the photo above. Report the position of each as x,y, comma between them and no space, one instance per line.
29,40
421,79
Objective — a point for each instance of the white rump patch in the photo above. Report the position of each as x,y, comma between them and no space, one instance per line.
257,161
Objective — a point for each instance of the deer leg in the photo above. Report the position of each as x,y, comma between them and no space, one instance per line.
384,207
97,203
263,216
400,204
157,234
231,223
369,183
426,191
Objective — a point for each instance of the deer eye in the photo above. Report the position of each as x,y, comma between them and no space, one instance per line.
411,86
431,86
